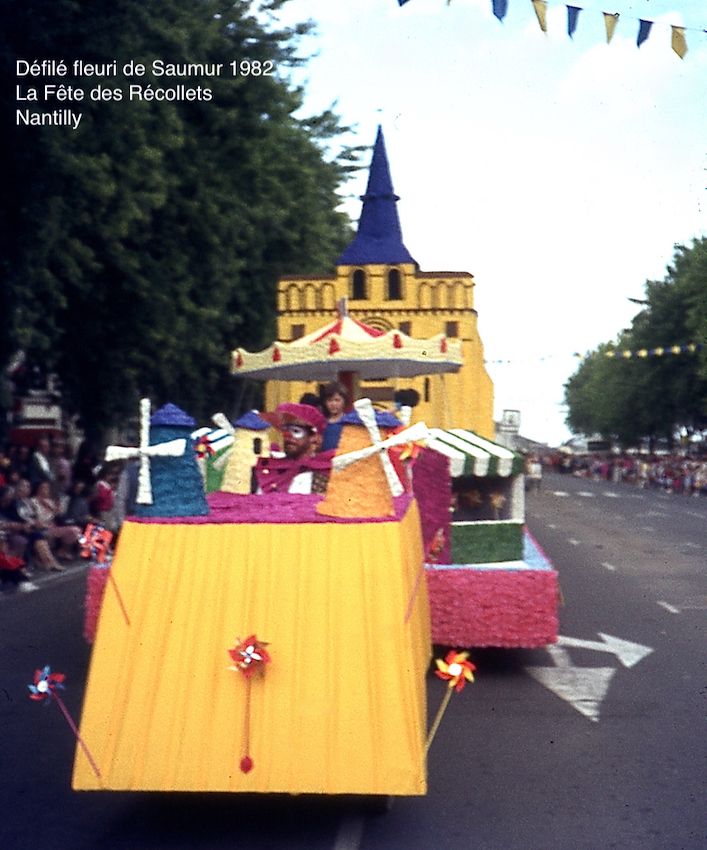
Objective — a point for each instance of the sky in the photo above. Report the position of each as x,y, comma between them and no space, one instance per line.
560,172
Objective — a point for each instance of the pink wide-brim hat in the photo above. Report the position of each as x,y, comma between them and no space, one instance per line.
290,412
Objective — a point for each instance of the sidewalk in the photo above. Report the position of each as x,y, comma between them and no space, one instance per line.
40,579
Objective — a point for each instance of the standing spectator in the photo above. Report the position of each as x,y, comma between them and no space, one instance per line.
85,465
78,510
533,473
103,500
39,467
60,467
19,464
334,403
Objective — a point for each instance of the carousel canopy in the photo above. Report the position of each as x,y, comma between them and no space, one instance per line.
470,454
347,345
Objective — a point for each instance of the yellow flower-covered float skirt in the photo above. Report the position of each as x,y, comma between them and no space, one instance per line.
343,608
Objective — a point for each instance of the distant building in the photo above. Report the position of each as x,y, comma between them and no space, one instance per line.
386,289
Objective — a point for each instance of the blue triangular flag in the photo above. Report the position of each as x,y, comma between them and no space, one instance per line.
644,31
572,18
500,7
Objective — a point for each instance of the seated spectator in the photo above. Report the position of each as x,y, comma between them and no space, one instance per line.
24,534
301,470
12,567
62,537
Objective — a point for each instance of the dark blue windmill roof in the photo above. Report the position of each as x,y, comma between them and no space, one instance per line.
379,238
384,419
252,421
170,414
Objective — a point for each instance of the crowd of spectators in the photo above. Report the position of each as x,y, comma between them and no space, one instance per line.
669,473
47,497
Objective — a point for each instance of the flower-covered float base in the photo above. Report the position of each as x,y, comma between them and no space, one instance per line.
505,604
343,608
489,583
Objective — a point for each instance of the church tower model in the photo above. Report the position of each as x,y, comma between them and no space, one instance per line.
385,290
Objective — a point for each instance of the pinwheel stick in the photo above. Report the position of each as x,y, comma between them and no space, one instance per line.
118,596
74,729
438,719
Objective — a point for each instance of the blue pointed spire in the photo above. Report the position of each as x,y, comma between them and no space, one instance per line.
379,238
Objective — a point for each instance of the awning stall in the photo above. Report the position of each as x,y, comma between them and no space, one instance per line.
470,454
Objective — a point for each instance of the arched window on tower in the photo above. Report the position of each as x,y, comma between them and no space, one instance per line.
395,286
359,286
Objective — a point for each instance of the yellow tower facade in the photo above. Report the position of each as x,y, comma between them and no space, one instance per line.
386,289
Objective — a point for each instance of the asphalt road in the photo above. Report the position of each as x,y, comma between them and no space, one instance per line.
590,744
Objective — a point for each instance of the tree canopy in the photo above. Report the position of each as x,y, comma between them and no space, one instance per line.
141,247
654,393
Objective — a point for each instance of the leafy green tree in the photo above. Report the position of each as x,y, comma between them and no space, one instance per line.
139,249
651,396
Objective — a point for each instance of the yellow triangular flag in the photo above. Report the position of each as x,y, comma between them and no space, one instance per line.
540,7
678,41
610,21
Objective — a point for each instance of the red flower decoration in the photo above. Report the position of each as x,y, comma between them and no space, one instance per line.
239,360
443,345
397,341
455,669
276,356
334,346
203,447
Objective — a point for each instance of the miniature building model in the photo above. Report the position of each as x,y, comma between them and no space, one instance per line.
386,290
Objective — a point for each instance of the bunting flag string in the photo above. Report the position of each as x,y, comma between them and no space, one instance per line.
616,354
678,38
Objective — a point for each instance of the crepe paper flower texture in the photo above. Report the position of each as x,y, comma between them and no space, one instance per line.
456,669
45,685
250,656
95,543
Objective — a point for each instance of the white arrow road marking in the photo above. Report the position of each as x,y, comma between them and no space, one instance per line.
584,688
668,607
627,652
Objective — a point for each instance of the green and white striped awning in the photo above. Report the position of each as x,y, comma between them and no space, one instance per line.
470,454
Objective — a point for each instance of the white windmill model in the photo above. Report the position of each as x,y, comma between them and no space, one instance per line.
144,451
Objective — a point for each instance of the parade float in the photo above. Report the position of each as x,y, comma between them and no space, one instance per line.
279,642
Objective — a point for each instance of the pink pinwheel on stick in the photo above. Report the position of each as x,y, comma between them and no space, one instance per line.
44,689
